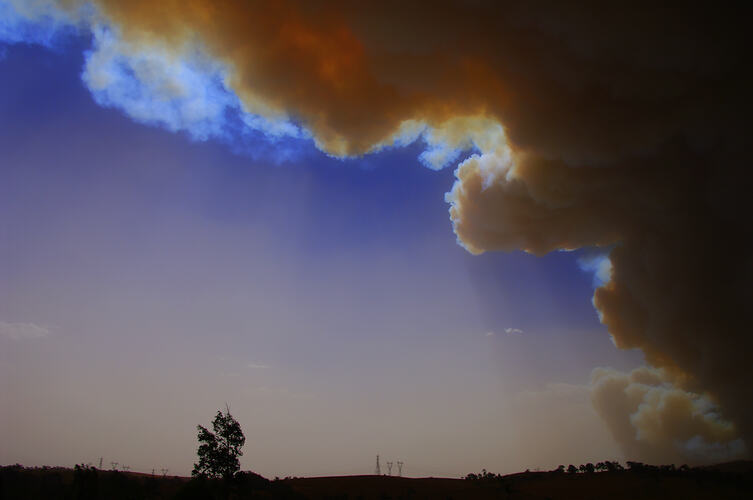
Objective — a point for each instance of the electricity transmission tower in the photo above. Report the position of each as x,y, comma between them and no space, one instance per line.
126,468
399,468
389,468
100,462
378,470
114,465
164,472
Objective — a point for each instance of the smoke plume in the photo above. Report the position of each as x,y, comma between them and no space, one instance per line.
654,420
592,125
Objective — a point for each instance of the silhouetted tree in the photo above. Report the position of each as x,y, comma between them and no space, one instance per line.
571,469
85,482
219,450
636,466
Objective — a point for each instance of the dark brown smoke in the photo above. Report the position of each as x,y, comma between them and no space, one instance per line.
623,127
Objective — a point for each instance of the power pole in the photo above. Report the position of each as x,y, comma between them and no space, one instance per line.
378,470
126,468
389,468
399,468
100,462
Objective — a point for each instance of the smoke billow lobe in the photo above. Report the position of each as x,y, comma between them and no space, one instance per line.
623,127
655,420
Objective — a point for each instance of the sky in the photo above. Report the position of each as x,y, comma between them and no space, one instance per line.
355,260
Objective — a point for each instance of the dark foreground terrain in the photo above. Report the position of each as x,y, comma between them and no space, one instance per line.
725,481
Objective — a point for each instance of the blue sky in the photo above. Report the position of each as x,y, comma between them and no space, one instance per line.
326,300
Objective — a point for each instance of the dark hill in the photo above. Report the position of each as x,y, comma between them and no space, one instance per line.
725,481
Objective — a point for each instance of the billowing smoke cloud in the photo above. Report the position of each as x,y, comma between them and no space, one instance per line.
654,420
187,93
592,126
182,91
38,22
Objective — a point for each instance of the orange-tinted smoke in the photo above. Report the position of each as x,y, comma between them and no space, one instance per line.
292,58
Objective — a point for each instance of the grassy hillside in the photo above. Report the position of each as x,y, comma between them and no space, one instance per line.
725,481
